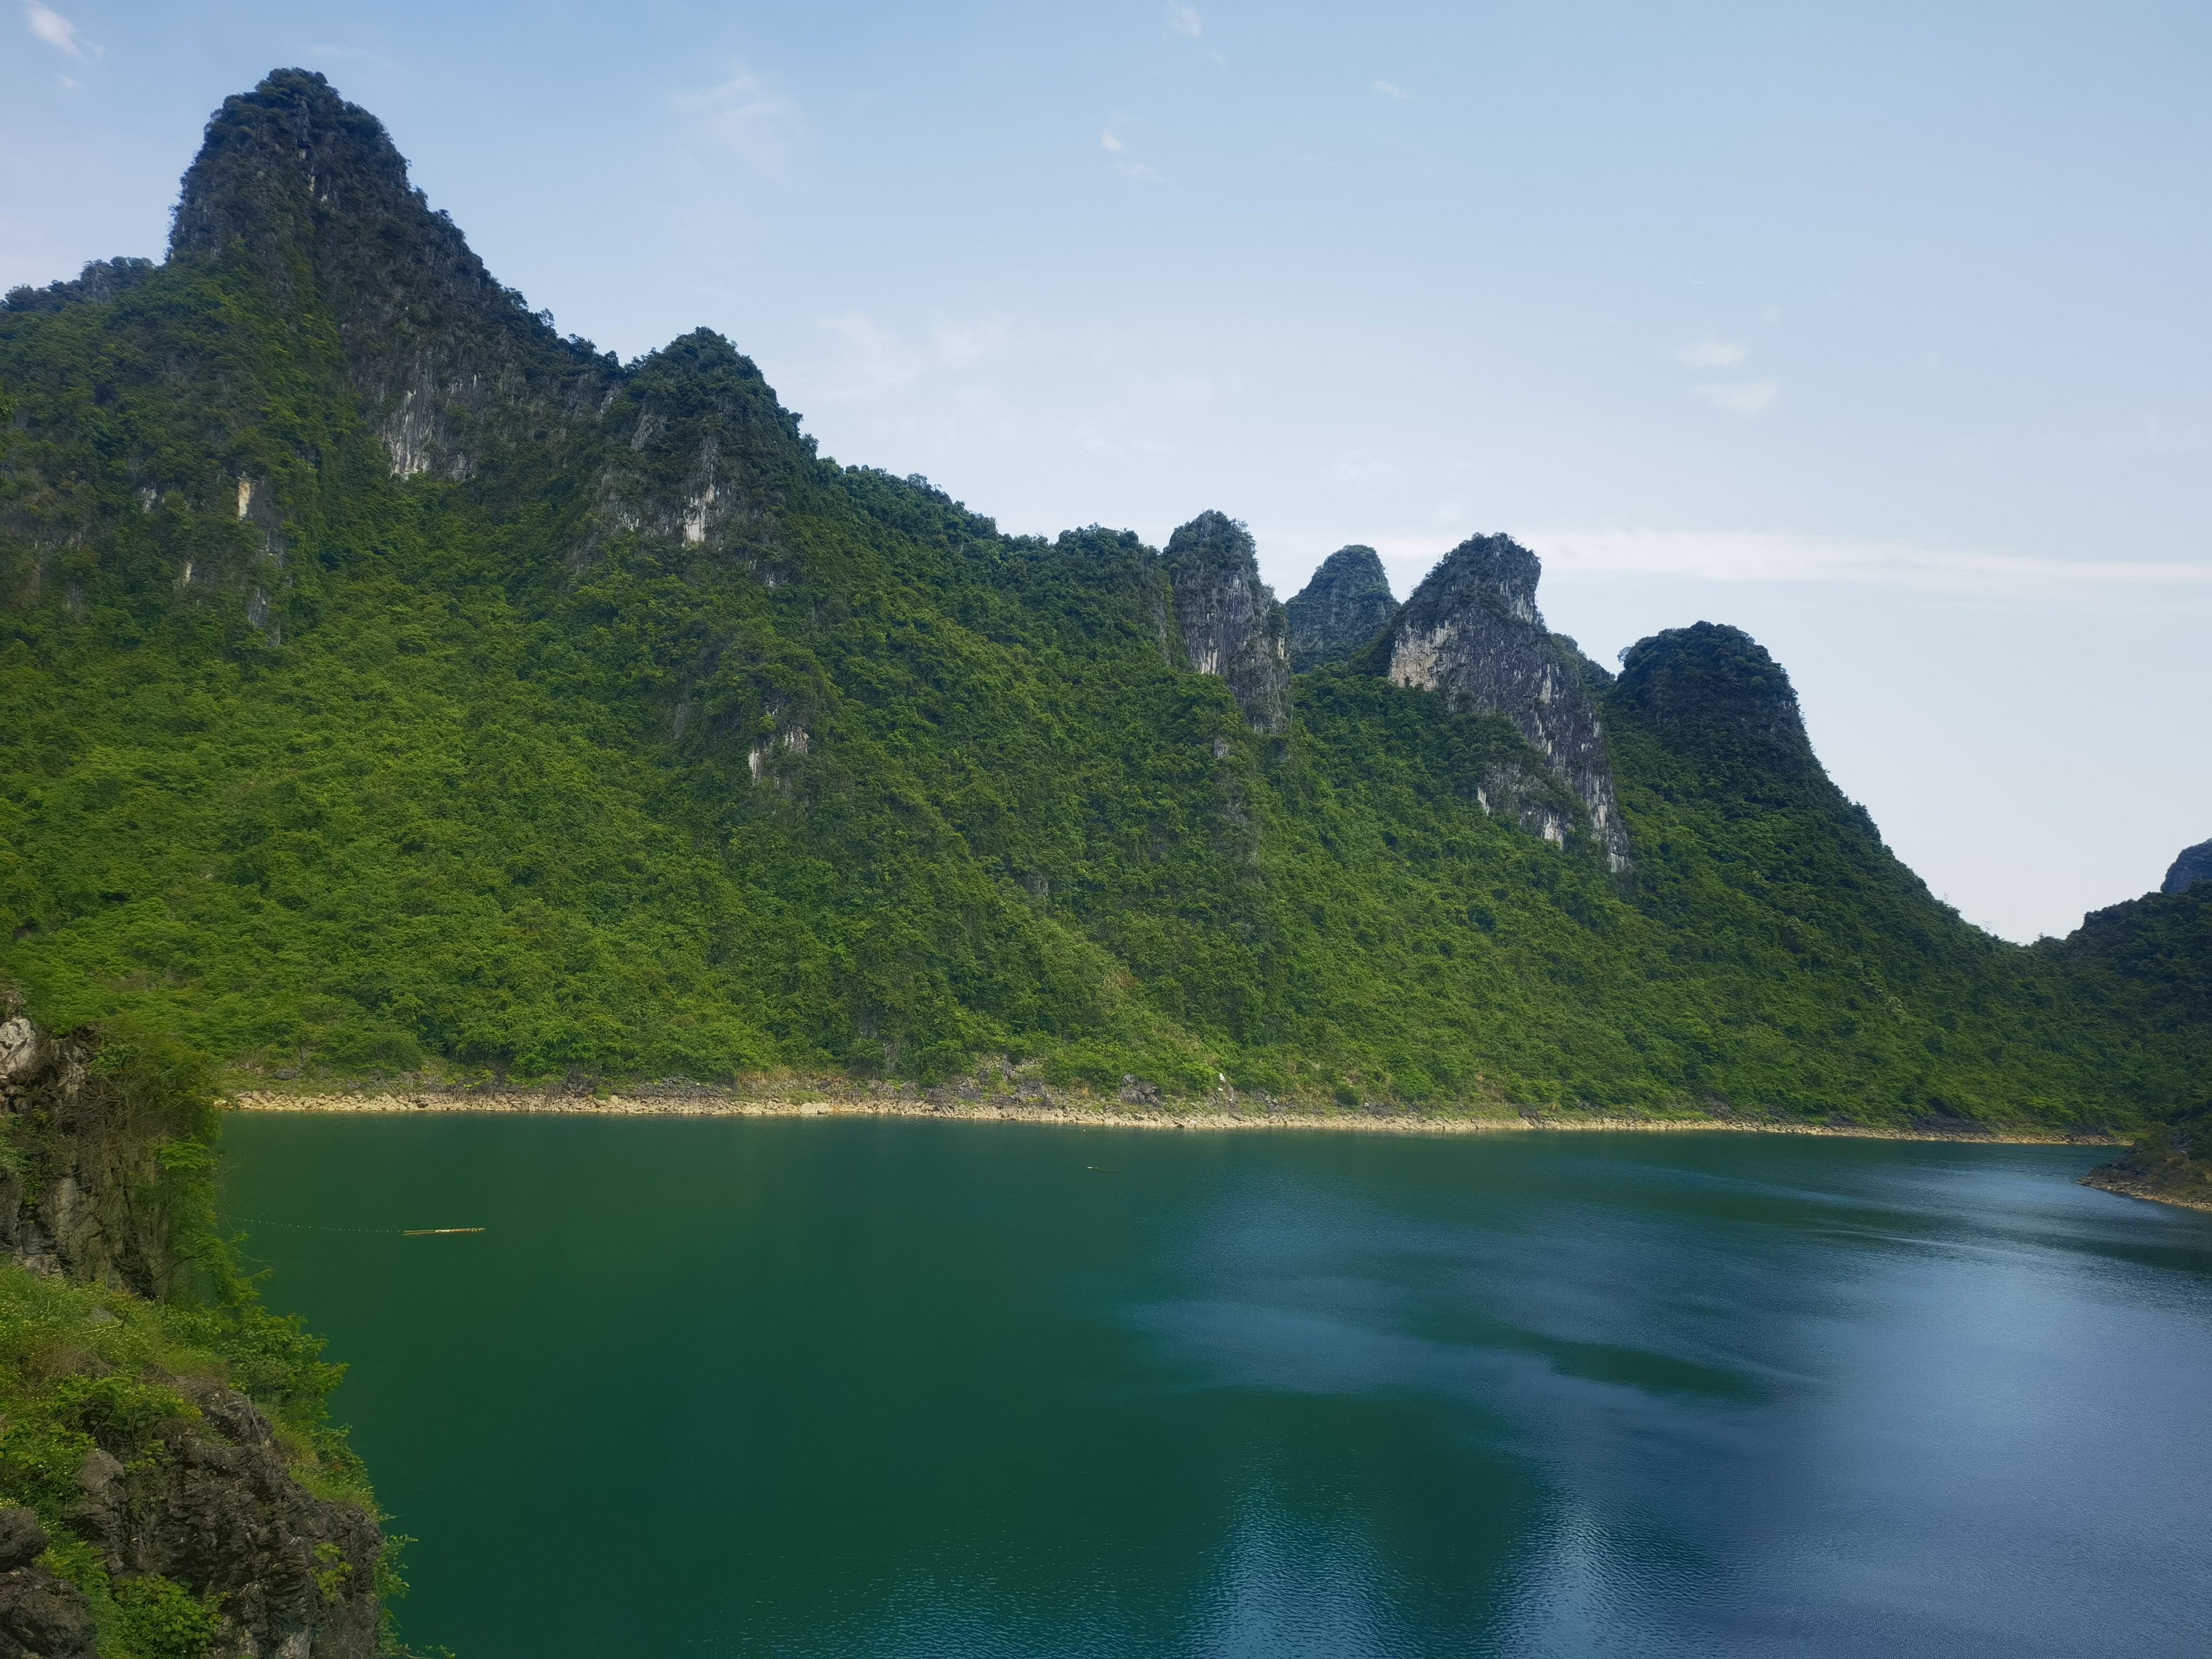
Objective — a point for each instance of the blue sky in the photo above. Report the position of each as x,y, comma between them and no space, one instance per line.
1878,330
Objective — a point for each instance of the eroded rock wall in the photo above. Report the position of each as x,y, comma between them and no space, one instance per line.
1231,623
80,1192
1472,634
215,1509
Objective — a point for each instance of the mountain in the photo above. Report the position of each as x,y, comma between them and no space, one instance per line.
395,686
1341,608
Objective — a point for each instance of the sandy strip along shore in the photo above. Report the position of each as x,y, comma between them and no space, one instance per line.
1105,1115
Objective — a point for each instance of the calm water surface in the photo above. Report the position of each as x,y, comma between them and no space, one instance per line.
862,1388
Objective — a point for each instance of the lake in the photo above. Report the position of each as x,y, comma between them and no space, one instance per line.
862,1388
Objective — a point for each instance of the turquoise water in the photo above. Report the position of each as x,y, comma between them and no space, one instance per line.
898,1388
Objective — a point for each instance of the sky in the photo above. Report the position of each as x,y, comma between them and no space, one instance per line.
1879,331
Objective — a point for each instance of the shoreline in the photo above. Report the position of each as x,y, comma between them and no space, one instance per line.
1100,1116
2142,1192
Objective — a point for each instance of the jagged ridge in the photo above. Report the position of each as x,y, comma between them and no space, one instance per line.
629,736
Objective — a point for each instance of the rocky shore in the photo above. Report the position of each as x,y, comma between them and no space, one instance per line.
1090,1112
2170,1163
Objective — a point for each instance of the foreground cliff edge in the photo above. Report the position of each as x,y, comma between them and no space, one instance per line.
398,690
169,1482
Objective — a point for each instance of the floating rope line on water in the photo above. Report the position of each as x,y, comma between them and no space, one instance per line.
375,1232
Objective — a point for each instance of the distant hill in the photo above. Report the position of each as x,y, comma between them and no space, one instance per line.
394,685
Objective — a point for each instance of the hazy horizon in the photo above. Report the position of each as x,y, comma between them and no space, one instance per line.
1878,336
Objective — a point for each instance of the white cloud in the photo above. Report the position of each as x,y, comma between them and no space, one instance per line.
1712,353
877,362
1391,89
1786,556
1185,19
1112,143
57,31
1742,397
744,117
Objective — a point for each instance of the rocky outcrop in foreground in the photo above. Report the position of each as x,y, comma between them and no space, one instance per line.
81,1196
42,1614
1472,634
215,1509
1344,606
203,1508
175,1484
1232,623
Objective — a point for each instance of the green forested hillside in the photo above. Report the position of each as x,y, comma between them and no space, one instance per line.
392,686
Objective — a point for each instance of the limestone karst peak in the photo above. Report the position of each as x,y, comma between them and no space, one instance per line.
312,194
1710,685
1231,622
273,156
1472,634
1343,607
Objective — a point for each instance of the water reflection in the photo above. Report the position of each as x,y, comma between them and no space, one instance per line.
1768,1418
915,1389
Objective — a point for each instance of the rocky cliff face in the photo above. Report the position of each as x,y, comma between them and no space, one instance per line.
81,1195
202,1501
184,1492
1471,633
697,454
689,445
2195,865
210,1504
1231,623
1344,606
42,1614
449,364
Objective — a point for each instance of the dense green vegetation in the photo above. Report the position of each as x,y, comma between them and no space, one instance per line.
502,770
